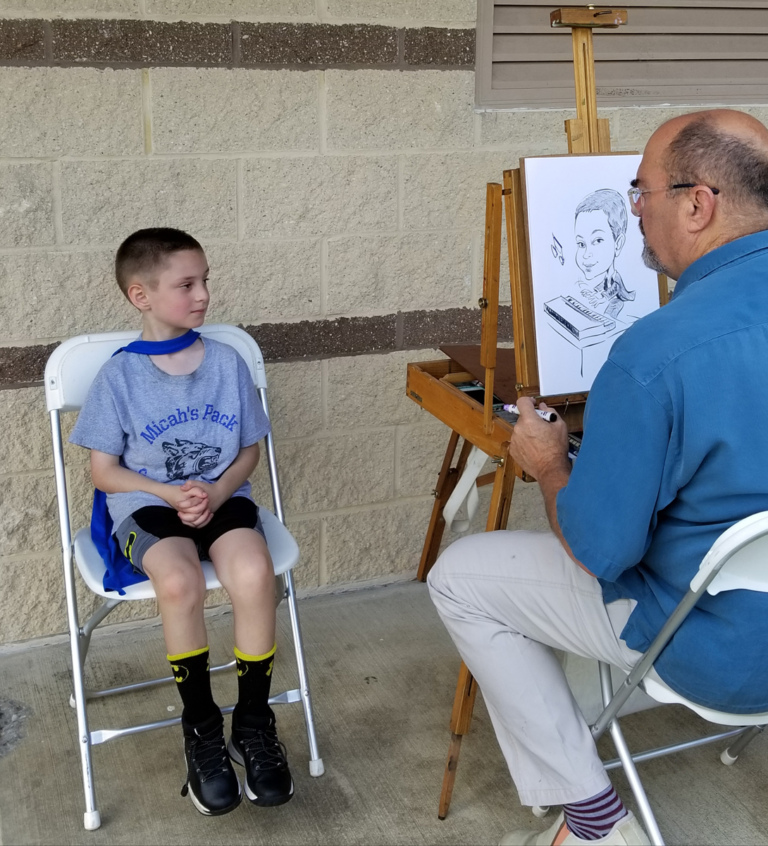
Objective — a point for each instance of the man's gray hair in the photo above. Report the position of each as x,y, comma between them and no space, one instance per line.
703,154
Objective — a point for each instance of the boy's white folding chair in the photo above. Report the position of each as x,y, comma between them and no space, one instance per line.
68,374
738,560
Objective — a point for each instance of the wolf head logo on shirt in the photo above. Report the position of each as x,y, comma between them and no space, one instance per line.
188,458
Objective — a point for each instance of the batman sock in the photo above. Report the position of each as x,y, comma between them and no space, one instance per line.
193,680
254,677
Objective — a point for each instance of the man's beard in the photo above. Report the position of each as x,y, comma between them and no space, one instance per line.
652,260
649,255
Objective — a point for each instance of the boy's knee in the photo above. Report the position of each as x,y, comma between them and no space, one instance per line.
251,578
179,584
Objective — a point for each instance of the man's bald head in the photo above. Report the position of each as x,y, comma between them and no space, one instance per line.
721,148
718,159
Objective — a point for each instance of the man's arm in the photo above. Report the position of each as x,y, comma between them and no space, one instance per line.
541,450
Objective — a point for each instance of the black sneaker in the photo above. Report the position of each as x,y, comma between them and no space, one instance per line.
211,782
267,777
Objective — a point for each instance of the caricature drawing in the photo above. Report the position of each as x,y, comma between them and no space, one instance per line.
600,231
557,249
589,315
588,279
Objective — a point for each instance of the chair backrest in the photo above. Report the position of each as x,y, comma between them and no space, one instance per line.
739,558
73,365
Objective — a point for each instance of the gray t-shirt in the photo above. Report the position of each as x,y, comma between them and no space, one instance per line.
171,428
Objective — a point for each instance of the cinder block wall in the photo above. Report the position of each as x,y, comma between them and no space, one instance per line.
327,155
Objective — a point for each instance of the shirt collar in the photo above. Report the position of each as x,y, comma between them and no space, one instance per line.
710,262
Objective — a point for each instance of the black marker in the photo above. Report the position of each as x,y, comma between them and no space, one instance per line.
549,416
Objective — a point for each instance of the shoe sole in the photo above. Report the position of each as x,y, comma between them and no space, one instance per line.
207,812
234,754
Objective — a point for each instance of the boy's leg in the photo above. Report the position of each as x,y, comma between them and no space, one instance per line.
173,566
244,568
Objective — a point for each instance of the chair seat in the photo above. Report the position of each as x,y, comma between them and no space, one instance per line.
655,687
282,547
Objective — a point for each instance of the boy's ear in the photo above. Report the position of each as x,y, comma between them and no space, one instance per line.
619,245
137,295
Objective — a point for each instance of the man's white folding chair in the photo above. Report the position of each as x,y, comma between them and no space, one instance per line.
68,375
738,560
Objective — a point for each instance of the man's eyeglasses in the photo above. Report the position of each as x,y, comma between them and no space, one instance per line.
637,195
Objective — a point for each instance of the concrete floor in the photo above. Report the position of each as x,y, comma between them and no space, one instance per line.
382,675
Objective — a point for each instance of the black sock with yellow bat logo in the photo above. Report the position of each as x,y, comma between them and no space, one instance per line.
193,680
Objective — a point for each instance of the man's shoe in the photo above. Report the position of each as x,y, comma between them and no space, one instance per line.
211,782
267,777
626,832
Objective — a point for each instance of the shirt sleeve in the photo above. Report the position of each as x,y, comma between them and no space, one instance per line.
255,423
607,512
98,425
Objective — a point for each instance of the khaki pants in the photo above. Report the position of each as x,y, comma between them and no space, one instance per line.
508,600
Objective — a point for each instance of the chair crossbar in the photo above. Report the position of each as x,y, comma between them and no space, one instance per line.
99,736
660,751
144,685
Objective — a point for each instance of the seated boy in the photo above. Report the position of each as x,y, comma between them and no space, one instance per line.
173,431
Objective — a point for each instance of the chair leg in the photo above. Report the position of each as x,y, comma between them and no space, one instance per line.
316,766
91,817
643,805
729,755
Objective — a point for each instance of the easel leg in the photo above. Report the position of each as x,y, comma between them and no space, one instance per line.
446,482
466,687
463,705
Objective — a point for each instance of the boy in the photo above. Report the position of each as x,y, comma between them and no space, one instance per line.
600,229
173,431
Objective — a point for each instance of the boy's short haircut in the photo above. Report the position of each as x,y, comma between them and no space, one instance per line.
612,204
146,250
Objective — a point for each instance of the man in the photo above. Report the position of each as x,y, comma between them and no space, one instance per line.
669,461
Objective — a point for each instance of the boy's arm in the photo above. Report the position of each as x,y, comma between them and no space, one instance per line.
231,479
110,476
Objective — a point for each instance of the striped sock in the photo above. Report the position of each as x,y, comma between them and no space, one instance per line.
595,817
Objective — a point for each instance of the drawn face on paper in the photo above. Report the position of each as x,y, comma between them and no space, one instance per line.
596,249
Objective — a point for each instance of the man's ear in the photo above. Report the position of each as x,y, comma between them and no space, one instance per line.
138,296
619,244
699,208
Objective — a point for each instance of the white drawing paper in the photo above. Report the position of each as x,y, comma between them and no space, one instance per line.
588,277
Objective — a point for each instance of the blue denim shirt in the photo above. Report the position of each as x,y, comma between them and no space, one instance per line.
675,451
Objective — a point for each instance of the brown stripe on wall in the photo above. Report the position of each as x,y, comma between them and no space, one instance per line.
311,339
301,46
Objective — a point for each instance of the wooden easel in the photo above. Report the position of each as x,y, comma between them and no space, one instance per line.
431,384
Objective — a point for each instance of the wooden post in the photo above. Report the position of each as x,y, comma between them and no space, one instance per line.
489,303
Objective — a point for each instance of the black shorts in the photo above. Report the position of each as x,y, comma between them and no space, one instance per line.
145,527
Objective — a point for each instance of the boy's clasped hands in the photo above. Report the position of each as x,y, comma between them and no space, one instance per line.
194,502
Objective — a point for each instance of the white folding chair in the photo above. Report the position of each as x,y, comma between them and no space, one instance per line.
737,560
68,375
